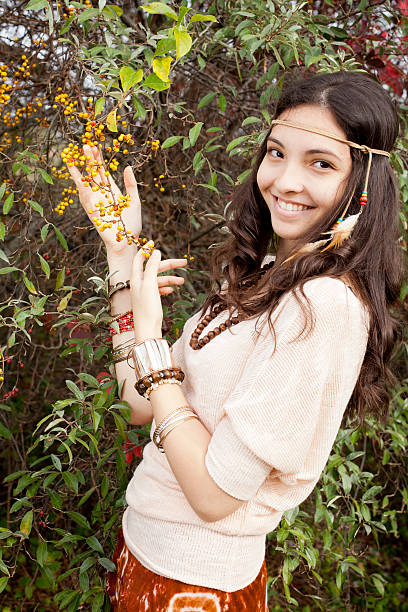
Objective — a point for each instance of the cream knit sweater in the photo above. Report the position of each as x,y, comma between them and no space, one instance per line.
273,416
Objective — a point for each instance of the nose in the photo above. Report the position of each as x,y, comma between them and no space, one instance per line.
288,179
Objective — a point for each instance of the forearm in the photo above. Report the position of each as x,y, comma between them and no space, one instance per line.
186,448
141,411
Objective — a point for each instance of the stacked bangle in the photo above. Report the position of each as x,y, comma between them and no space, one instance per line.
170,422
154,366
121,352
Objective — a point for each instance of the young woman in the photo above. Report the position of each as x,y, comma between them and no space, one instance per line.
243,431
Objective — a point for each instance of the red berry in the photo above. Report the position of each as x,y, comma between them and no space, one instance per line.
21,366
68,271
30,330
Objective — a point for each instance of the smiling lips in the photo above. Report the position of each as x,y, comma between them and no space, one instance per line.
290,206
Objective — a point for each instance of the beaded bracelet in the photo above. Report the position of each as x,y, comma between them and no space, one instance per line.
144,386
125,322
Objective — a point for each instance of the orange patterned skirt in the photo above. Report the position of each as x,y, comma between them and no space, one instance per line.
134,588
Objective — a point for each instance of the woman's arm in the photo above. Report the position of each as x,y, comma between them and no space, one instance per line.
121,267
186,448
141,410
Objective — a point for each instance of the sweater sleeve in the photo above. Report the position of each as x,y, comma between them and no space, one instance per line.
280,422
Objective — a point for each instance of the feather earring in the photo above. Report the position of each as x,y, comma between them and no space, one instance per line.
341,231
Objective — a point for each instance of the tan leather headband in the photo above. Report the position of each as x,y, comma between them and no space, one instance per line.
301,126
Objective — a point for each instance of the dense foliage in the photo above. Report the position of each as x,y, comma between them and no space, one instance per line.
182,91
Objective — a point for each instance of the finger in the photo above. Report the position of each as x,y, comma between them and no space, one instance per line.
137,273
152,266
80,185
165,290
96,158
169,280
131,184
170,264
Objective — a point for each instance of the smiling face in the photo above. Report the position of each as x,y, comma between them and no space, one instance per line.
303,175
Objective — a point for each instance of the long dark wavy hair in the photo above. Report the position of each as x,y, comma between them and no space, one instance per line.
371,259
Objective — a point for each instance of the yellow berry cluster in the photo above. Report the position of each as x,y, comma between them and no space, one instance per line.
10,76
157,182
60,173
189,257
66,200
155,144
124,234
93,134
148,249
68,105
124,140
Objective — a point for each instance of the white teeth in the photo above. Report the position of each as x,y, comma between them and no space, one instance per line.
289,206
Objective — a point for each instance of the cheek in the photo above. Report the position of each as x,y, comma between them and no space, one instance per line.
263,177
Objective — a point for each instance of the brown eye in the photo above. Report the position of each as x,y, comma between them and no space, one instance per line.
275,153
324,165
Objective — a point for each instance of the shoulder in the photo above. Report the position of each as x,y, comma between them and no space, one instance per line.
323,301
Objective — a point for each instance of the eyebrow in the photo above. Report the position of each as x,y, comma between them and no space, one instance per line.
310,151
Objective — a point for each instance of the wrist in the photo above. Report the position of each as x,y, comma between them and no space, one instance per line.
121,262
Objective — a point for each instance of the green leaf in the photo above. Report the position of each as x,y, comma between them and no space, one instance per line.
165,45
171,141
72,387
2,230
61,238
46,177
3,583
45,266
161,67
159,8
2,190
195,132
80,519
71,481
27,523
4,568
99,106
4,432
3,256
56,462
42,553
36,5
44,231
37,207
201,17
184,42
8,203
29,284
139,108
8,269
153,82
250,120
129,77
237,141
94,543
222,103
111,121
60,279
88,14
207,99
107,564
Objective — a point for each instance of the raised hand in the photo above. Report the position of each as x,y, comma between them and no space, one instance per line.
90,200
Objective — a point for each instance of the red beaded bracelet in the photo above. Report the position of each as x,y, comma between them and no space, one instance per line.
125,322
